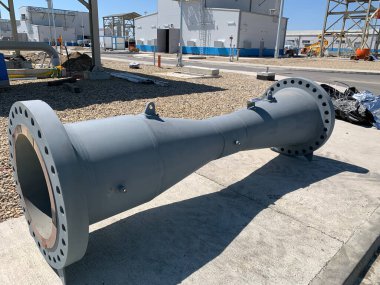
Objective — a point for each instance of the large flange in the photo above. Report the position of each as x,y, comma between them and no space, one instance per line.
326,109
47,175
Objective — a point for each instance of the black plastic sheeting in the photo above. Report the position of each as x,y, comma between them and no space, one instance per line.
347,108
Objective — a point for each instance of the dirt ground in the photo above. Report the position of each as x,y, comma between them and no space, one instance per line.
190,98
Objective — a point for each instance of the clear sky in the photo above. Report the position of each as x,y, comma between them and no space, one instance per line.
302,14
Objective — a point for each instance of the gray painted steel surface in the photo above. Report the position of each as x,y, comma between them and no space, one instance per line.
69,176
9,45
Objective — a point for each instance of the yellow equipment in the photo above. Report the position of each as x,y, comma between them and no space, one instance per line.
314,49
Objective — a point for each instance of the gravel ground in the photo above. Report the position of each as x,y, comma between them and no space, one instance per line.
193,98
334,63
327,62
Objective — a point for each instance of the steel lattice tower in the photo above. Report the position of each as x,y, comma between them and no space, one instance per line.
349,22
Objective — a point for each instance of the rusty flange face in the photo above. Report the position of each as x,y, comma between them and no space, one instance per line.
46,173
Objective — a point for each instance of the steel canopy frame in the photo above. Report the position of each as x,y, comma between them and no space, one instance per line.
354,17
92,6
11,9
121,25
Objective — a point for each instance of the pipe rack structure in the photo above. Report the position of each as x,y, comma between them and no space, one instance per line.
10,45
73,175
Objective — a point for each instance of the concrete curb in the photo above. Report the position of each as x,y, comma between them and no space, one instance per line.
353,257
327,70
249,73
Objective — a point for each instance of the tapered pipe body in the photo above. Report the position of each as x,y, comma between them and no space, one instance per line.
70,176
146,155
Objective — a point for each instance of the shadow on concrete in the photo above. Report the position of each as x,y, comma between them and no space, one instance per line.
165,245
98,92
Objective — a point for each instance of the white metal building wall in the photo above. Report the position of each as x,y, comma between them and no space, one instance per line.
44,33
243,5
255,28
255,6
168,13
219,24
265,7
224,24
146,29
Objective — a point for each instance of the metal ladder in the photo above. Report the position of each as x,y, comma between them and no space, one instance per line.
202,29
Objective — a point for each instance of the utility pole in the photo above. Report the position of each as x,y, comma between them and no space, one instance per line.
277,49
82,30
180,62
51,33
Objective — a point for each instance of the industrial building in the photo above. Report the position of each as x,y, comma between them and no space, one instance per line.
39,24
212,27
345,46
5,29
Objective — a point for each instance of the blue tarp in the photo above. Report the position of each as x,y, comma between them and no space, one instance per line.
4,80
371,103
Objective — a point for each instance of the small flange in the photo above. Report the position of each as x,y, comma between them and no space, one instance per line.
326,109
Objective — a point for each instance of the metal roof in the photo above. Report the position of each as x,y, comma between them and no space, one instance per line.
126,16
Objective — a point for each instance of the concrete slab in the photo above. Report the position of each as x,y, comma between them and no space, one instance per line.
200,70
354,256
251,218
341,171
184,75
197,232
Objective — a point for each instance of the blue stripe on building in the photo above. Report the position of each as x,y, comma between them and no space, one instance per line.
253,52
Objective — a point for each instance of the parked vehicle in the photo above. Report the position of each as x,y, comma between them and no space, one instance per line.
290,50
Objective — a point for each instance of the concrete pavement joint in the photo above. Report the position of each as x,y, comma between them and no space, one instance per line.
274,209
351,260
199,174
335,264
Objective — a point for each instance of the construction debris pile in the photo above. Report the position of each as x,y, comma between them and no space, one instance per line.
77,62
361,108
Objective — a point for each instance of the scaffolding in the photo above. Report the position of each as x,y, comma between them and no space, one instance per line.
120,25
351,23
